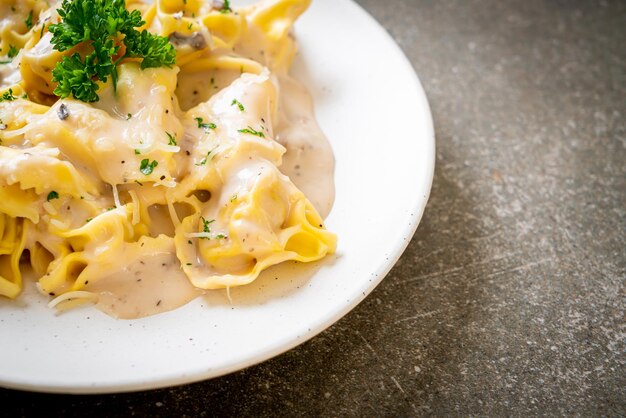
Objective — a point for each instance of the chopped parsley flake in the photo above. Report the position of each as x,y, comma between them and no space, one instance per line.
13,51
29,20
251,131
8,96
206,226
205,126
52,195
239,105
147,167
226,7
172,139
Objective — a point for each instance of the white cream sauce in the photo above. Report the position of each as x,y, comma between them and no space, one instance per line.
309,161
150,285
9,74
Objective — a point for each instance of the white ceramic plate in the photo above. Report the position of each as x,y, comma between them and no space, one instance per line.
372,107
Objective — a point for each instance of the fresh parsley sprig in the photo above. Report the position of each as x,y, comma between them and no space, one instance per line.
109,29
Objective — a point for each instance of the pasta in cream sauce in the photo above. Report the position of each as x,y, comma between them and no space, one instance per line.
179,179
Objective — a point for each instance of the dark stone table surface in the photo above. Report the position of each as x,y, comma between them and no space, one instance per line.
510,299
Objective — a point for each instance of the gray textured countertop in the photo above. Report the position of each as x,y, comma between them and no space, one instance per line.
510,299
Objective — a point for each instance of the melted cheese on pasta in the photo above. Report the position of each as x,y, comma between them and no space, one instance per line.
213,211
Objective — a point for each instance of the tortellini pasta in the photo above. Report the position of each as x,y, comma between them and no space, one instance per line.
179,161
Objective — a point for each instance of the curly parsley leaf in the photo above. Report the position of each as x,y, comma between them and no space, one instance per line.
75,76
156,51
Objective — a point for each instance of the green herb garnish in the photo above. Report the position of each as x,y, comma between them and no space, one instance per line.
52,195
8,96
104,25
147,167
29,20
13,51
251,131
172,139
205,126
226,7
239,105
206,226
